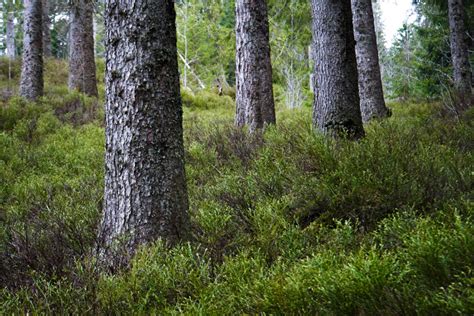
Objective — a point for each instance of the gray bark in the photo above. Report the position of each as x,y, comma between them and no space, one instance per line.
145,187
459,49
372,103
255,106
11,35
336,110
31,84
46,29
82,69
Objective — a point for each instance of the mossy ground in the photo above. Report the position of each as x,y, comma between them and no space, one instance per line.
283,222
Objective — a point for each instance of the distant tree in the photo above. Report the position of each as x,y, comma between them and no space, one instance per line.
8,9
206,43
372,103
336,110
255,103
82,69
401,81
11,51
31,85
460,49
290,38
421,63
379,29
145,187
46,29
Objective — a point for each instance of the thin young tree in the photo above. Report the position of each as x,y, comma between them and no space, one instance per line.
255,104
145,187
31,84
82,68
10,34
460,50
336,110
372,103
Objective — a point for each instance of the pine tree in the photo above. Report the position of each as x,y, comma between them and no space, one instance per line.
82,69
31,85
255,104
46,29
145,186
372,103
336,110
459,50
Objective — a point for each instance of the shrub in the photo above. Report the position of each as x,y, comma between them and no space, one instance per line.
205,100
284,221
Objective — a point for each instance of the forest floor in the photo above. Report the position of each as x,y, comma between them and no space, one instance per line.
284,222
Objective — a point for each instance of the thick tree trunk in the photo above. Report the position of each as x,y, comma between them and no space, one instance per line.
46,29
459,49
336,110
82,70
255,104
31,85
372,103
145,187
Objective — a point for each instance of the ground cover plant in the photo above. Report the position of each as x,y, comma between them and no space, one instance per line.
284,222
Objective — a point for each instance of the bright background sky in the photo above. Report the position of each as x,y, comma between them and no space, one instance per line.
394,14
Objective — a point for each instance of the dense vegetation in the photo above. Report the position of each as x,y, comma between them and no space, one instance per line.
284,221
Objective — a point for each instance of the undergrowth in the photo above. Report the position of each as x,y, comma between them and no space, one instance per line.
283,222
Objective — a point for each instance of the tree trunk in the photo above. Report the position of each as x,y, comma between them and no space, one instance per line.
145,187
31,85
336,110
46,29
11,35
459,49
372,103
255,104
82,70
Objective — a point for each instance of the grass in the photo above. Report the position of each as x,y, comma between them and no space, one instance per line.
286,222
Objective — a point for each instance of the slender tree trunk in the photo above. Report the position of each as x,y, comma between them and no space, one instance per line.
372,103
255,104
336,110
94,28
459,49
185,35
145,187
46,29
11,35
31,85
82,70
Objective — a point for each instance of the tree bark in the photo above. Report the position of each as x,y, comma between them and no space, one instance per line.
82,69
31,84
11,35
336,110
46,29
372,103
459,49
145,187
255,104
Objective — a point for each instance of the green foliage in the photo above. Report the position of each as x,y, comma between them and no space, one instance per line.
158,278
205,100
51,175
206,40
284,221
418,65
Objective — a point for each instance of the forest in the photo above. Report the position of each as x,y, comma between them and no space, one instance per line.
197,157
